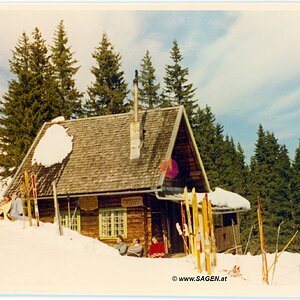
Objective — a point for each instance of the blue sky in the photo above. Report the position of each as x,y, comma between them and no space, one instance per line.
245,64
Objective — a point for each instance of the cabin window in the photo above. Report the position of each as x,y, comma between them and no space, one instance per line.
228,218
69,220
112,222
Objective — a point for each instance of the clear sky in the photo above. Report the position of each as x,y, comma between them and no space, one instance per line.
244,61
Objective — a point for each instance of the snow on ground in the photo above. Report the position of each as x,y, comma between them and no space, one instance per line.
36,260
53,147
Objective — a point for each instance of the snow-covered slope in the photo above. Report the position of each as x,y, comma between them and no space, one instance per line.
39,261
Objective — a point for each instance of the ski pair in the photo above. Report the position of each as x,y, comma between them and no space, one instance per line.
201,232
26,191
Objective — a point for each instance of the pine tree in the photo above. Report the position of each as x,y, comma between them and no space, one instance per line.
30,101
64,72
148,90
107,94
177,91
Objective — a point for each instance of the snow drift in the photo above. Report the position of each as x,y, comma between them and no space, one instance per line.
39,261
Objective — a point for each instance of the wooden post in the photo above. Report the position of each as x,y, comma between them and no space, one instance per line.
56,206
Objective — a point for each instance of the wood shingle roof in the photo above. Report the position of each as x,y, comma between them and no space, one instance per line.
99,161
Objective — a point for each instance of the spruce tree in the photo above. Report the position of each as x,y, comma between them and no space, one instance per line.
64,72
177,90
107,94
204,129
270,179
15,137
295,196
148,90
30,101
45,101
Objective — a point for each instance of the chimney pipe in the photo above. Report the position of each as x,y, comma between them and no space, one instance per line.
135,92
135,126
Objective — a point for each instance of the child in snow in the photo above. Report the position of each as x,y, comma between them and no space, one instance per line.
120,245
157,249
135,249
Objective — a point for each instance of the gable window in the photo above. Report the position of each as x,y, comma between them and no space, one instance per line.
70,221
112,222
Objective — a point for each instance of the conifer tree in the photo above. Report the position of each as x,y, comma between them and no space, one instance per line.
30,101
64,72
107,94
204,129
270,178
177,90
295,196
45,102
148,90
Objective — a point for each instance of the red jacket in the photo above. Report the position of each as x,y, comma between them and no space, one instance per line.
157,250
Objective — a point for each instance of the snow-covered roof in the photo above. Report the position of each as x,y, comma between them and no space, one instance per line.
220,199
53,147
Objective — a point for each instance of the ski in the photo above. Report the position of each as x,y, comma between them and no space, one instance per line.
188,213
196,229
262,243
183,228
22,193
206,234
27,192
212,235
34,192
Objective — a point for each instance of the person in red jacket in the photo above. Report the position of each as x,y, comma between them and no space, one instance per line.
156,249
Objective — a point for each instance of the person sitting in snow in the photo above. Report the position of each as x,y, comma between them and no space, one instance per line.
120,245
135,249
16,210
157,249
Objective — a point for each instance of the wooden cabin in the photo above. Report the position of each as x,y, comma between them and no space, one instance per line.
111,182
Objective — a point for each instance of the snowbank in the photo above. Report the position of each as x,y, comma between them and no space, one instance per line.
53,147
39,261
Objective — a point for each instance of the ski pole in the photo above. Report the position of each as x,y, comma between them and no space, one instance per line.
284,249
276,252
249,239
